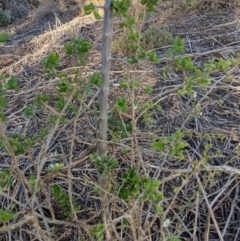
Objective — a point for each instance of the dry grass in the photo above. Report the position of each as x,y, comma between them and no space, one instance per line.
183,6
17,8
200,204
46,11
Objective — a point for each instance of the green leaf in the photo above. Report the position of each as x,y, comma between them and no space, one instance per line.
63,121
121,104
42,98
63,86
178,45
179,134
165,74
63,200
141,53
150,5
5,179
53,58
27,112
170,53
69,48
134,85
98,231
89,91
153,57
180,155
204,82
173,153
170,138
174,238
32,182
95,80
3,37
123,84
55,167
198,73
72,108
97,15
121,7
51,63
159,146
3,102
3,118
52,120
131,185
7,215
132,60
148,90
182,145
159,107
12,84
88,8
60,104
81,47
148,106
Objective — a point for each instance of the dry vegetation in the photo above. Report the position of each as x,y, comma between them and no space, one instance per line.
202,204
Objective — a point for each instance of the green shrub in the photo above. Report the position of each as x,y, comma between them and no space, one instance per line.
156,37
5,18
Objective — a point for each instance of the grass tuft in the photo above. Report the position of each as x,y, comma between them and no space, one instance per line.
152,38
5,18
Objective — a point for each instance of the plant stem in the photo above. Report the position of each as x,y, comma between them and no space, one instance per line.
103,118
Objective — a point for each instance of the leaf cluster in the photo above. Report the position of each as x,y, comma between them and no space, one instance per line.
79,47
6,83
173,144
105,164
63,200
7,215
20,143
5,179
90,8
133,186
98,231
